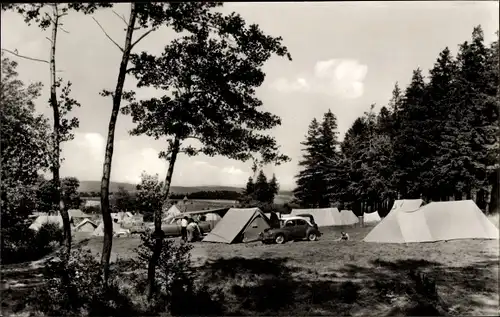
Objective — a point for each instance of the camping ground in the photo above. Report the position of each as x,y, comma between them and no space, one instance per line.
329,277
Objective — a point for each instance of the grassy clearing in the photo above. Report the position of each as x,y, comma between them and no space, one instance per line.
330,277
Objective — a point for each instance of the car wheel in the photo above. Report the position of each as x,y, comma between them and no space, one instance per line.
312,236
280,239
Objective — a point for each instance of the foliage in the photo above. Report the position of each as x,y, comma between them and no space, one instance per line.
24,147
215,194
46,194
20,244
437,139
91,209
149,195
74,288
320,176
260,193
124,201
209,77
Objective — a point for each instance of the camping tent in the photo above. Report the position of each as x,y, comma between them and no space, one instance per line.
212,217
99,231
239,225
170,215
86,226
37,224
77,215
348,218
388,229
371,217
323,217
437,221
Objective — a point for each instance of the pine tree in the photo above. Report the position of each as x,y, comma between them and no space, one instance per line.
444,130
472,86
273,187
249,188
410,150
330,159
310,184
261,188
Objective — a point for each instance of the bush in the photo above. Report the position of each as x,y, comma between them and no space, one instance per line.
91,209
21,244
175,289
75,288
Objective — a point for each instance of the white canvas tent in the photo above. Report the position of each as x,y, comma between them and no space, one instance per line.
371,217
40,220
239,225
171,213
77,213
86,226
324,217
348,218
388,229
99,231
437,221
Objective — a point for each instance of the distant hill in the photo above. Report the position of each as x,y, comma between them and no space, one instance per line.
94,186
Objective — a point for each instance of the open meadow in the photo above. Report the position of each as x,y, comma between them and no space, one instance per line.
329,277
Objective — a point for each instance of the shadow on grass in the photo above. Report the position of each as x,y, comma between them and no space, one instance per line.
267,287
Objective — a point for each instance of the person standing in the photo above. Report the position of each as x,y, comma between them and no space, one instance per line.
184,224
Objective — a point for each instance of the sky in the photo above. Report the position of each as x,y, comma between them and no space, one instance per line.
346,56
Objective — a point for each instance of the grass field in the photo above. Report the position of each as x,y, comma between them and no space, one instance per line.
329,277
307,278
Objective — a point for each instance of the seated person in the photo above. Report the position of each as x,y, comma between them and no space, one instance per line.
193,231
344,236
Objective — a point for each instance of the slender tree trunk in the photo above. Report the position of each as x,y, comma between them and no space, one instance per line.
106,173
494,203
57,137
158,234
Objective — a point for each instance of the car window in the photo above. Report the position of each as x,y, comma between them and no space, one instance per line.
301,222
290,223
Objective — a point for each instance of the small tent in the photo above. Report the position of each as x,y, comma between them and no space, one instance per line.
212,217
171,213
323,217
371,217
40,220
237,225
77,215
86,226
99,231
348,218
388,229
437,221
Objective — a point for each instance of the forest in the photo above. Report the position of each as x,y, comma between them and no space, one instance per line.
437,139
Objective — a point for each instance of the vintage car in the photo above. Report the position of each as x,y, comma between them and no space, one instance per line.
292,228
174,229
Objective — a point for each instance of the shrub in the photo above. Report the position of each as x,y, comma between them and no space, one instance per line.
21,244
75,288
175,288
17,244
91,209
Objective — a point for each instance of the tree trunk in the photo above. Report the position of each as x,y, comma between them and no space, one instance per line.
158,234
494,203
57,137
108,156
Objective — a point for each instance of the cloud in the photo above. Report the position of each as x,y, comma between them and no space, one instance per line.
85,154
341,78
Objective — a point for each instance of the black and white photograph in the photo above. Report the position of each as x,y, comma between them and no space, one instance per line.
301,158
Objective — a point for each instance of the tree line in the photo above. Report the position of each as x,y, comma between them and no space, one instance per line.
203,194
209,75
436,140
